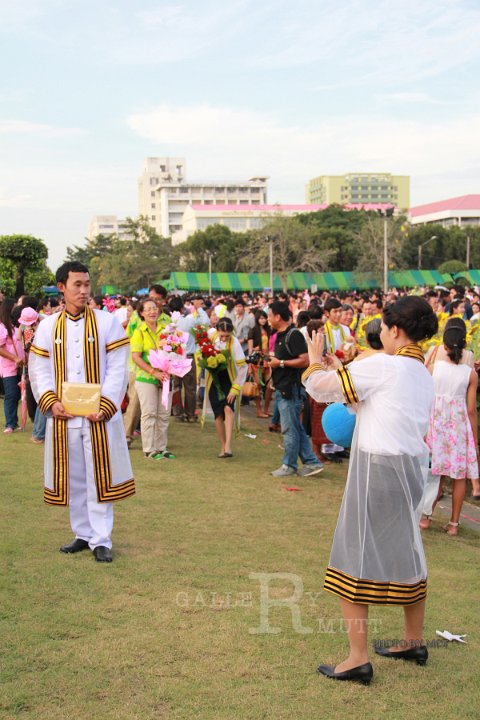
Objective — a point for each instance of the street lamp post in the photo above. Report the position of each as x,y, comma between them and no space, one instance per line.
210,255
269,239
388,212
434,237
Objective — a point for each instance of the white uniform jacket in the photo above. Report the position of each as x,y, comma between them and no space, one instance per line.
89,348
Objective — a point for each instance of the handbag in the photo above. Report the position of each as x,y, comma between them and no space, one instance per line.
250,388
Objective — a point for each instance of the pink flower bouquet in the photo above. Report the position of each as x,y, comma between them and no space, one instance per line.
171,355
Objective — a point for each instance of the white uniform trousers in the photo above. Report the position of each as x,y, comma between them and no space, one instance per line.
90,520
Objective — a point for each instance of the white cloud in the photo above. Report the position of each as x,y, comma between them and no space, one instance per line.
171,33
391,41
409,98
221,138
25,127
14,201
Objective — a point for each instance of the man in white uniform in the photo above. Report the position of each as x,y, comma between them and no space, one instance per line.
87,465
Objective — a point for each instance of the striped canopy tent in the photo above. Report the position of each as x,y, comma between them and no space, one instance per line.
471,276
224,282
256,282
413,278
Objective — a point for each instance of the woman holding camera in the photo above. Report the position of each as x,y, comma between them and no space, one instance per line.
258,355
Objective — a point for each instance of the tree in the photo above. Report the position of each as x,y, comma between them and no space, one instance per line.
218,241
369,245
296,248
25,253
131,261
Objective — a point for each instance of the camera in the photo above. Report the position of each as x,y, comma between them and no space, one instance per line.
254,358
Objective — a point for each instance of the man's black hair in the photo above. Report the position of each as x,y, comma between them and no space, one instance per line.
61,276
281,308
159,289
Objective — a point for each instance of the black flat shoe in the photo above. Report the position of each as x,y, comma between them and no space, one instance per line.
76,546
419,654
362,673
102,554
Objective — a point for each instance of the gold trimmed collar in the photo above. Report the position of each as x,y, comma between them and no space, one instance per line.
411,350
74,317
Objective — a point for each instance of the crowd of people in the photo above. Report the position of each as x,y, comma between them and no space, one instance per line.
405,363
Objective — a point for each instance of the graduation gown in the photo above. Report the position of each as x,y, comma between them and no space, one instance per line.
91,347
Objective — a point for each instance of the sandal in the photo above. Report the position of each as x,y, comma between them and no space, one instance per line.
451,528
262,415
425,522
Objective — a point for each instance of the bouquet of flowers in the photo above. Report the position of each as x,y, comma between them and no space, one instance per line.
109,304
211,358
171,355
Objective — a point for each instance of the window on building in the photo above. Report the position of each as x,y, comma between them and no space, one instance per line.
152,205
254,190
184,190
152,194
153,217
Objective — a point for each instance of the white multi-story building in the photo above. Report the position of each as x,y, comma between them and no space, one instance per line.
164,194
105,225
241,218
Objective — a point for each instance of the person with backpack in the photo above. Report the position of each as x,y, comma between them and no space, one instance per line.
288,362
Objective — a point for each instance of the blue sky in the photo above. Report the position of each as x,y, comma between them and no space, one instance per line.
290,90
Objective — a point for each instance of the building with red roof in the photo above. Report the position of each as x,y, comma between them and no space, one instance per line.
460,211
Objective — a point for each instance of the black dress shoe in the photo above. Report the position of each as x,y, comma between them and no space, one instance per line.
419,654
362,673
76,546
102,554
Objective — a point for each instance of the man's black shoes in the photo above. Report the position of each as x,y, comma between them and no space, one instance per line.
102,554
76,546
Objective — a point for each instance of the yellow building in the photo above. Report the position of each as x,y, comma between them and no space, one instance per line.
360,188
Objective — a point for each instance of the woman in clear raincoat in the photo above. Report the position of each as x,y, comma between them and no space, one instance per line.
377,555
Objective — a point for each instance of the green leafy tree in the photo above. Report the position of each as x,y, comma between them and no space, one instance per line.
23,255
369,245
452,267
220,242
296,248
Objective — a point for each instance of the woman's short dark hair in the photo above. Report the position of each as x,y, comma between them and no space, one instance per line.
372,334
413,315
455,339
225,325
302,318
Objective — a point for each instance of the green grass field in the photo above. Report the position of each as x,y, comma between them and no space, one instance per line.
168,630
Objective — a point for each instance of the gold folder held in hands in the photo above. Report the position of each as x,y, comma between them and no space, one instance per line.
81,398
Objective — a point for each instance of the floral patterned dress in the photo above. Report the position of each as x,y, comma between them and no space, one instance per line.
450,436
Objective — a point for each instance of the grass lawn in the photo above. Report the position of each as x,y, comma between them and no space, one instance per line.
170,628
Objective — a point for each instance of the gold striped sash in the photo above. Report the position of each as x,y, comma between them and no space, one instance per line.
60,493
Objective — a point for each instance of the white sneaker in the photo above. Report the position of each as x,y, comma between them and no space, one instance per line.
284,471
308,470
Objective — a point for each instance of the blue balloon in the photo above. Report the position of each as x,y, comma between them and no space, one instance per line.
338,422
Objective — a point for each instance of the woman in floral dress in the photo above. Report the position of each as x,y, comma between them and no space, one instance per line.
453,432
